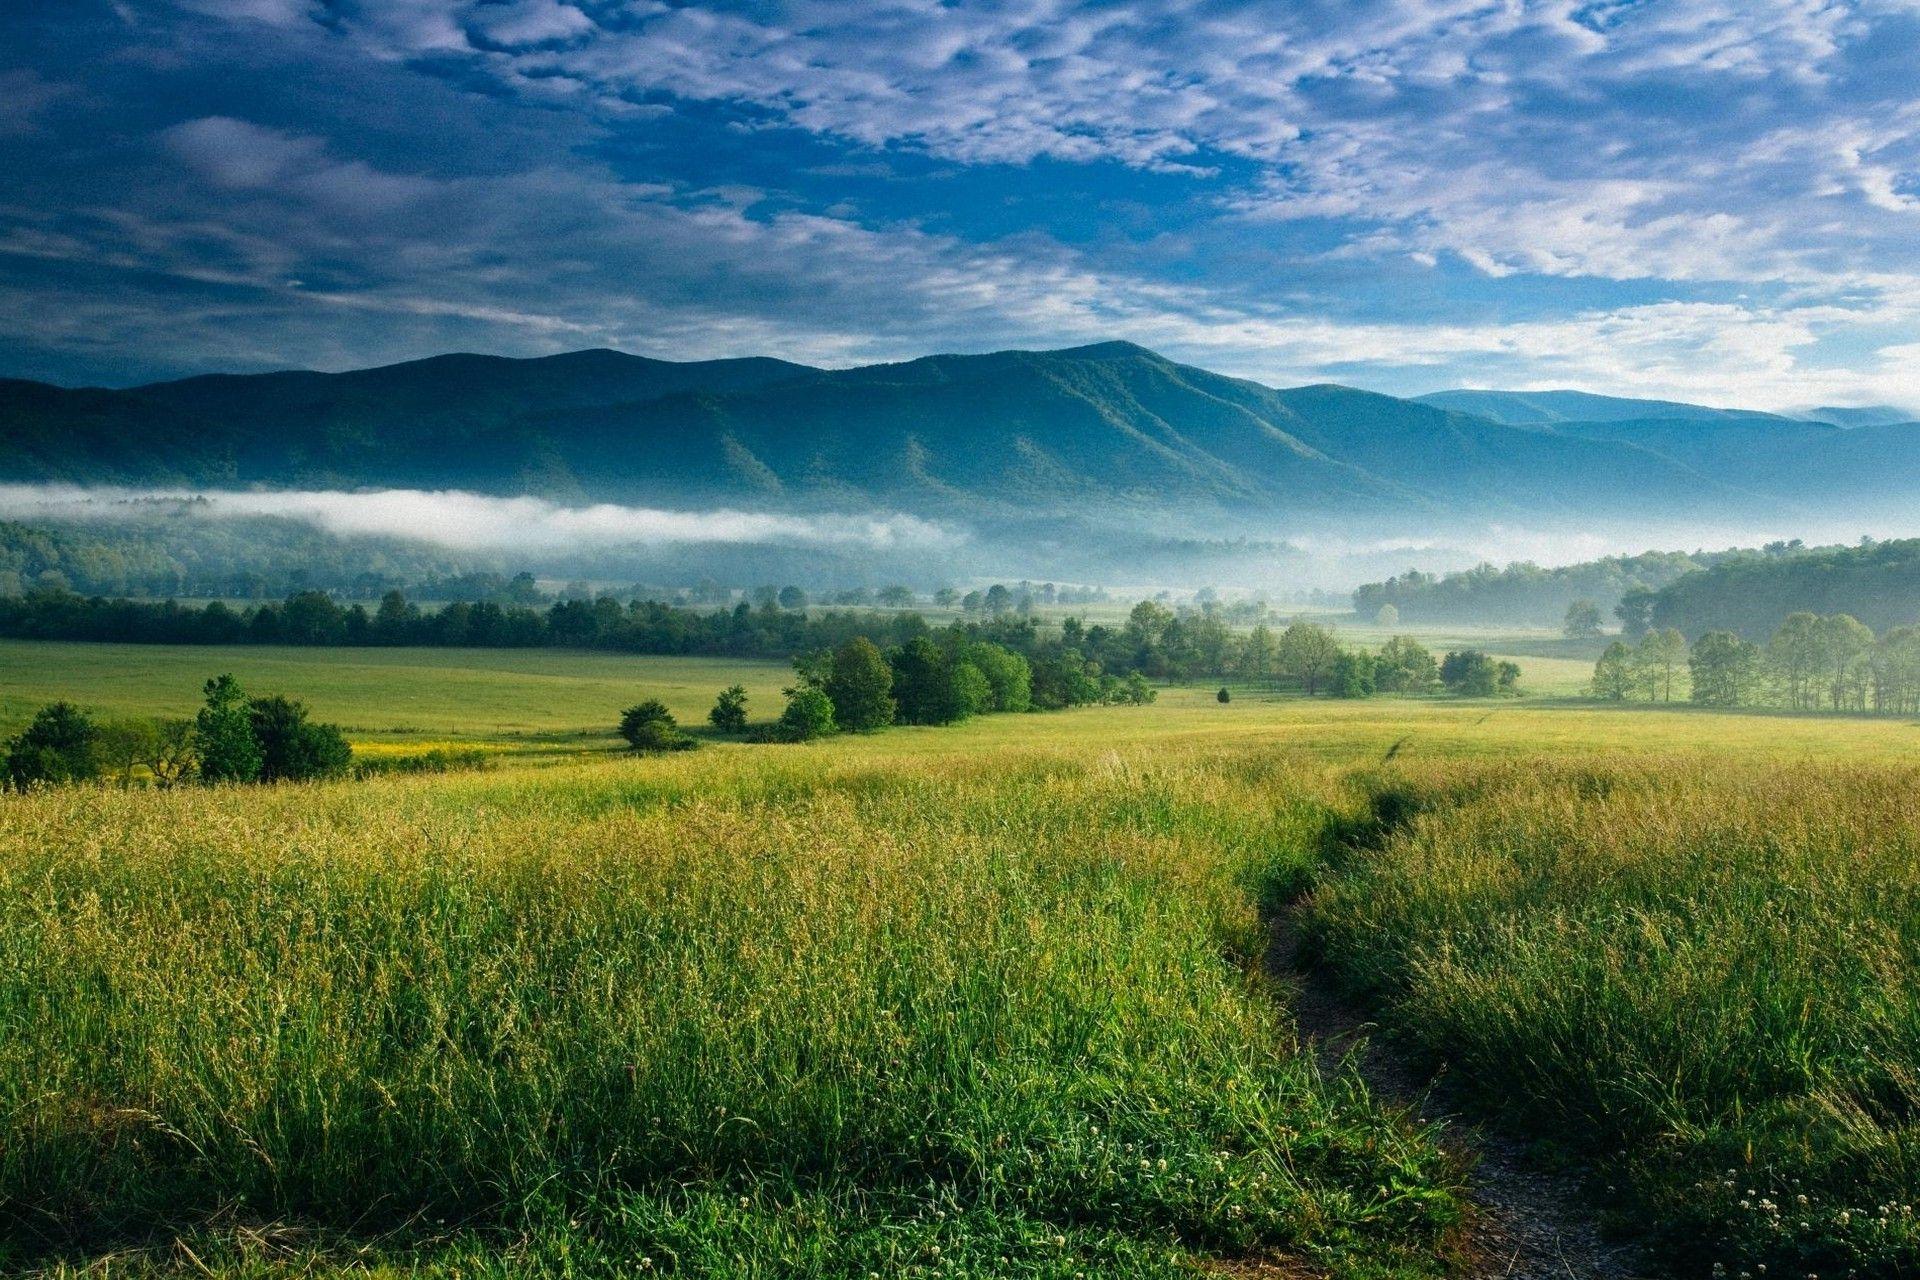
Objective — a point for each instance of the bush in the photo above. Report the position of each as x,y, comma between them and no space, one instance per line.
809,715
649,726
292,747
61,745
1223,696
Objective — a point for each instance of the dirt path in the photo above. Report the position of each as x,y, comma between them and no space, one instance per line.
1534,1223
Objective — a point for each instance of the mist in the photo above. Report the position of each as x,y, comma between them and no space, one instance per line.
481,522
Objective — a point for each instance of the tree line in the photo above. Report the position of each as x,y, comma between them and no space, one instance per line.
1875,582
1811,662
1524,594
233,738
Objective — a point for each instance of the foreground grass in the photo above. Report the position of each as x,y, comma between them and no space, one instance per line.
746,1013
1699,975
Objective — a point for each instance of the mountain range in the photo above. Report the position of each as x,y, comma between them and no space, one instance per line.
1112,429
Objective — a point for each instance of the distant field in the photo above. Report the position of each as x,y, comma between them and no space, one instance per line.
522,698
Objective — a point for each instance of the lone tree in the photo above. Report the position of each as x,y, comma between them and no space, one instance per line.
649,726
860,684
62,744
223,734
1223,696
1471,673
729,714
1582,621
1307,652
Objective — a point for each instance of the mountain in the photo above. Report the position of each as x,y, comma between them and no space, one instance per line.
1111,432
1537,408
1870,415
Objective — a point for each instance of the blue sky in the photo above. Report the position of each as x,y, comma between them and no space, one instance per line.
1716,200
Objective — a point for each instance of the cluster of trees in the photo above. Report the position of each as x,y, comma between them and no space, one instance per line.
1523,594
856,687
1811,662
1875,582
234,738
167,548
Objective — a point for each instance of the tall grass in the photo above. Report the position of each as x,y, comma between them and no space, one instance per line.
745,1013
1704,975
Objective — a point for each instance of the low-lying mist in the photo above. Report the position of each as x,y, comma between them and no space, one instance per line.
482,522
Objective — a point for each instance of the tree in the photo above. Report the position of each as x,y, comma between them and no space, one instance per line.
896,597
1009,676
792,598
1582,621
1353,675
729,714
946,597
1224,696
1470,673
808,715
931,687
1635,612
1256,659
1614,677
1845,643
1795,653
1386,616
60,744
124,745
294,748
859,683
1306,654
1723,668
971,693
223,734
174,758
1403,665
649,726
1662,656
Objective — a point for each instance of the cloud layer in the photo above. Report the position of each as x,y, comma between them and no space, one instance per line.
472,521
1711,199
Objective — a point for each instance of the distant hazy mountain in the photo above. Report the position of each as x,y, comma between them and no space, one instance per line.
1536,408
1871,415
1111,432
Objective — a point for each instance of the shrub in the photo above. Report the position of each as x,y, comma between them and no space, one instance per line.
1223,696
809,715
649,726
61,745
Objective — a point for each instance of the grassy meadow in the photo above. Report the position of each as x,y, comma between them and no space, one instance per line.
986,1000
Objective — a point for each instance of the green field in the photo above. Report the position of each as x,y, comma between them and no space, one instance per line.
985,1000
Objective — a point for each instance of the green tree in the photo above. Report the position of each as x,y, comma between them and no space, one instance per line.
1662,656
223,738
1796,652
124,745
1009,675
1257,657
1614,677
649,726
1306,653
859,683
1845,644
1224,696
1404,665
792,598
60,744
1582,621
1353,674
1723,668
1635,612
294,748
808,715
729,714
1386,615
1470,673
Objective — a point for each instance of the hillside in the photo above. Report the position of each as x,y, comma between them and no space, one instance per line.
1111,427
1536,408
1876,582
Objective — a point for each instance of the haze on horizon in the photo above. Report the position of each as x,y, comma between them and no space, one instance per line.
1714,201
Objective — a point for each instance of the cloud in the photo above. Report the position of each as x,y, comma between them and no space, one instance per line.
472,521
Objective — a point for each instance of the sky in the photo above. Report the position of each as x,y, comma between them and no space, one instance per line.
1714,201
